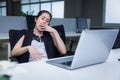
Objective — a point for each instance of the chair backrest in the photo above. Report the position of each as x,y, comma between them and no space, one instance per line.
13,36
30,22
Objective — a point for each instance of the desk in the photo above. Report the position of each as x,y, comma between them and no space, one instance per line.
72,37
4,36
4,39
40,70
72,34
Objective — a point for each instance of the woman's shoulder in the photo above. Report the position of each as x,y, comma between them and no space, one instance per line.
20,33
25,31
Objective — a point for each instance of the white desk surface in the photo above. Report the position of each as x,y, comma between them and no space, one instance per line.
40,70
4,36
72,34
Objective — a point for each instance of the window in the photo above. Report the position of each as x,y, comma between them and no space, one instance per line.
58,9
3,8
24,1
111,13
32,7
46,6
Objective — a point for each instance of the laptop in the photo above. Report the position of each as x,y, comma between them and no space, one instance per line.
93,47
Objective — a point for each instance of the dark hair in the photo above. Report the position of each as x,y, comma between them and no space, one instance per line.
44,11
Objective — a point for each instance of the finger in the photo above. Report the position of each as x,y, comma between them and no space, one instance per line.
33,57
40,55
33,54
37,54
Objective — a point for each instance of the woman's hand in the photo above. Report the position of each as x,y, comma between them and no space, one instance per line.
34,53
45,27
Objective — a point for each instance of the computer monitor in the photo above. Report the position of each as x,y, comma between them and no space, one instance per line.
82,24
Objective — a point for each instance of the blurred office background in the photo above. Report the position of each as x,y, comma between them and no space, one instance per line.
93,9
59,8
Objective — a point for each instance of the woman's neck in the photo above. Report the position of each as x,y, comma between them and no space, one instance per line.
37,32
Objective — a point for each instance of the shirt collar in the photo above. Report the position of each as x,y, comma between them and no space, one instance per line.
37,35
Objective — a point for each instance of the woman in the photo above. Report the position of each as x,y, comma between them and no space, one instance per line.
49,45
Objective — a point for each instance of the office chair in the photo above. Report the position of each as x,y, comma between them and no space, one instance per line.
30,22
13,38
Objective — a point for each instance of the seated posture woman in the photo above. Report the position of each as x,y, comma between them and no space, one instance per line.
43,42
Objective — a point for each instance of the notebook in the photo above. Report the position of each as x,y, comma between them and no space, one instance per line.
93,47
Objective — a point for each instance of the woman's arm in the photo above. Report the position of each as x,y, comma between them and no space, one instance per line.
19,50
58,42
56,38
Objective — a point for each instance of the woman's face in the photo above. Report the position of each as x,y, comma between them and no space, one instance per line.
42,21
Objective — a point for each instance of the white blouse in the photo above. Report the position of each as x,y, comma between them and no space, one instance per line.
40,47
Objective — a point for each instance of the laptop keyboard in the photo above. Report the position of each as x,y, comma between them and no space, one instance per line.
67,63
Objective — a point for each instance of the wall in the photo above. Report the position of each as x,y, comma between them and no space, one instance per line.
92,9
18,22
69,23
73,8
12,22
13,7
